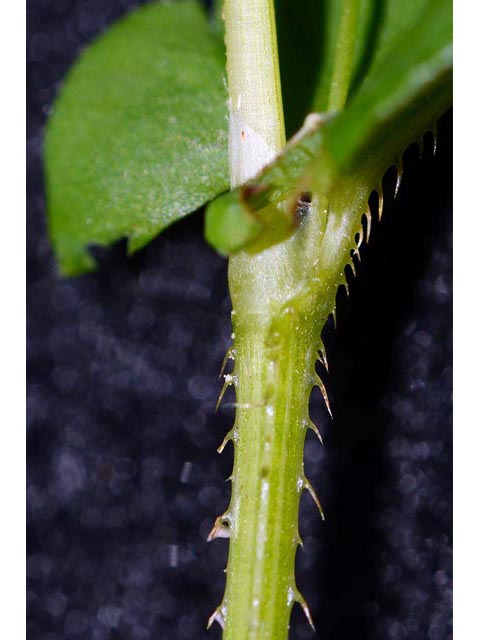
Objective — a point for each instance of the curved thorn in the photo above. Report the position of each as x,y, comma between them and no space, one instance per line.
229,380
322,356
360,237
319,383
380,204
217,616
345,284
368,215
399,177
226,439
230,355
220,529
313,427
353,268
358,243
301,601
313,493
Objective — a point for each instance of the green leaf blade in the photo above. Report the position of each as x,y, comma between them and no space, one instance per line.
138,137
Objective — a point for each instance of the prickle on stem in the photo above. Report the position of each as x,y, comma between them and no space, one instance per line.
218,616
360,239
229,436
301,601
380,204
322,356
318,382
308,486
311,425
229,379
399,177
230,355
368,216
221,529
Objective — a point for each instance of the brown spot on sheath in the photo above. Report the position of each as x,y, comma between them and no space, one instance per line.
251,190
243,134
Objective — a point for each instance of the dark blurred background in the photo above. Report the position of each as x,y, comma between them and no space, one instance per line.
124,482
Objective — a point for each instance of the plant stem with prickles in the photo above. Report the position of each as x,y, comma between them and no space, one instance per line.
281,297
274,338
273,377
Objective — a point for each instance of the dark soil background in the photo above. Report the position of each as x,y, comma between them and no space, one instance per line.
124,482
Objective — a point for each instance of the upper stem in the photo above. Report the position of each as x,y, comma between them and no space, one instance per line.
257,130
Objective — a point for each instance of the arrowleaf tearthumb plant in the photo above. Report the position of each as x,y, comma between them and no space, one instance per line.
144,131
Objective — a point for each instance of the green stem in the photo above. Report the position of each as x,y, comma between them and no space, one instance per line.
281,298
257,130
274,359
274,374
